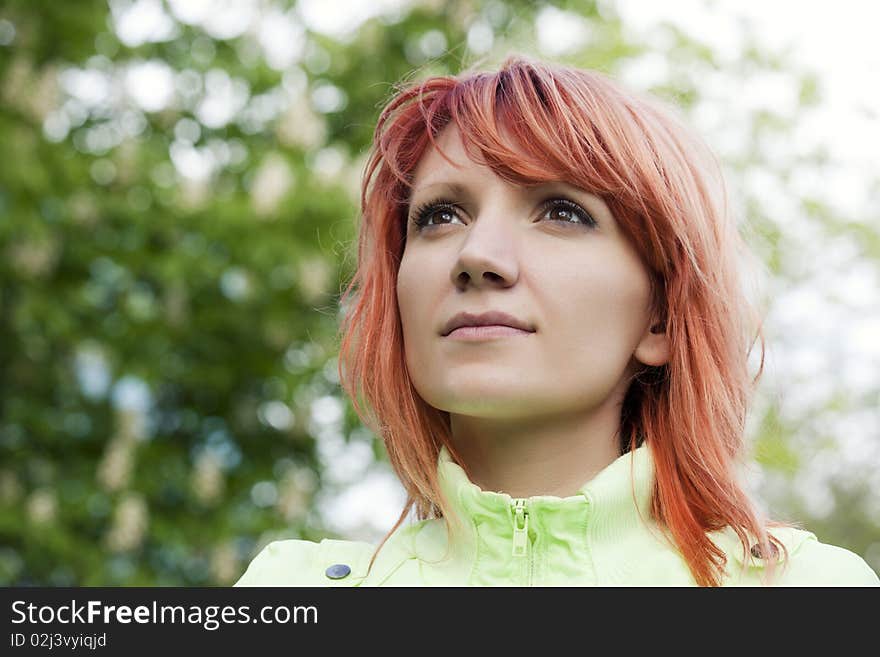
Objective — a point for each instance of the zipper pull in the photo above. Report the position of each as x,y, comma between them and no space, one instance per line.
520,529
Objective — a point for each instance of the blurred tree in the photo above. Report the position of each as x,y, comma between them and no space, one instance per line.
178,199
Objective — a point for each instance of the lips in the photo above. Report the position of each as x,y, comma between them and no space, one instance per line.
493,317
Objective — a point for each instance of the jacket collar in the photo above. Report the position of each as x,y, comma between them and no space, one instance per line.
614,501
583,529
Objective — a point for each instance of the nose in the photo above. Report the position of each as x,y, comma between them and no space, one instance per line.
488,254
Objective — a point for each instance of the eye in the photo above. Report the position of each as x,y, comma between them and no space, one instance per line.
569,209
571,213
431,209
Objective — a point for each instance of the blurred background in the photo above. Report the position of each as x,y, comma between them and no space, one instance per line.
178,199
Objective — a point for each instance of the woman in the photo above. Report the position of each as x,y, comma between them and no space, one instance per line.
547,330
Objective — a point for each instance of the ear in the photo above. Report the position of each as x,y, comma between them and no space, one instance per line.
653,348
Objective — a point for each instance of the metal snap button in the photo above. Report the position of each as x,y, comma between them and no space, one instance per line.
758,554
338,571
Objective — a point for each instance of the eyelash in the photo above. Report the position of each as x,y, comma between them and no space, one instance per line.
427,210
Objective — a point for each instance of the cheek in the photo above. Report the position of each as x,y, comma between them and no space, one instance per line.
413,302
407,284
597,309
418,319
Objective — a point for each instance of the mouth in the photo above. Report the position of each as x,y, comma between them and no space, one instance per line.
487,332
494,318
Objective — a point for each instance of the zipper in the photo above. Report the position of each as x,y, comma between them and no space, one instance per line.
521,542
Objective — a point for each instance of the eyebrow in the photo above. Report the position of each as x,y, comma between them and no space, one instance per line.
455,187
463,188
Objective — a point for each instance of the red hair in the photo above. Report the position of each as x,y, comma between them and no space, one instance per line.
666,191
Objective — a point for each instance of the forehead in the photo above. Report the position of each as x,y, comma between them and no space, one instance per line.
463,173
449,140
434,168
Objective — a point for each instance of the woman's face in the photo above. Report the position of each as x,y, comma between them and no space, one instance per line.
581,287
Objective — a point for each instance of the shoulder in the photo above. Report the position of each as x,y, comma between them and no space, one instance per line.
822,564
808,561
296,562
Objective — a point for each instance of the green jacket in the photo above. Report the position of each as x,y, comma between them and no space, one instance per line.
596,537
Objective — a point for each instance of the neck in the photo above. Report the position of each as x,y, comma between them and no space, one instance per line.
552,455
